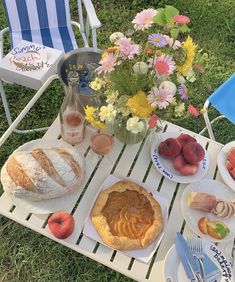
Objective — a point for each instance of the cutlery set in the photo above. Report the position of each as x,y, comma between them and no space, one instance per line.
197,265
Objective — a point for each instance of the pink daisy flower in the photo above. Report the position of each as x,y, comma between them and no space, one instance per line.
144,19
160,99
107,64
181,19
127,48
193,110
175,44
164,66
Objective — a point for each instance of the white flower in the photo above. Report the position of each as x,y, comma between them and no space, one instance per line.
168,86
114,37
180,78
134,125
191,76
175,44
107,113
179,109
96,84
140,68
112,97
124,110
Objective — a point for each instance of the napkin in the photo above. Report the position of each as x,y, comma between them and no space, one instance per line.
211,270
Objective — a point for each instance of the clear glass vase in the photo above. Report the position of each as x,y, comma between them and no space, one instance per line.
120,132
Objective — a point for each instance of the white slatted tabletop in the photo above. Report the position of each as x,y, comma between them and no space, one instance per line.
127,160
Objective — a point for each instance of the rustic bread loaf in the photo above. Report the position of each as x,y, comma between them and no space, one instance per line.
43,173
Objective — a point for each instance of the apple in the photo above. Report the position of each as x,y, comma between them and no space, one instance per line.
61,224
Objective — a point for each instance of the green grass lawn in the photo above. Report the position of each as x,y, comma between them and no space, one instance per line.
27,256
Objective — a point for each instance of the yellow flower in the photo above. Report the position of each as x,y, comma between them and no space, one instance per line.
96,84
190,48
179,109
90,117
109,50
139,105
202,111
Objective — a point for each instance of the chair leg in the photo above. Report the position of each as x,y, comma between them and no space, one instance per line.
207,121
5,104
15,123
8,114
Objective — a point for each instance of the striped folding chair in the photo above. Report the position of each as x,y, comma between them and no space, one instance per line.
46,22
223,99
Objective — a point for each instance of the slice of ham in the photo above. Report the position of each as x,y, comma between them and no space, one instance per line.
201,201
224,209
208,203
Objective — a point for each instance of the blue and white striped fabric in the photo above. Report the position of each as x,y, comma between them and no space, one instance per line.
45,22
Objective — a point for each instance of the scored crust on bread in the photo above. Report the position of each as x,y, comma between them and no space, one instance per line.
18,175
69,158
126,216
43,173
47,165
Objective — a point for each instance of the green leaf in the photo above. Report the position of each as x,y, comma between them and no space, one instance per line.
184,28
160,17
174,33
170,12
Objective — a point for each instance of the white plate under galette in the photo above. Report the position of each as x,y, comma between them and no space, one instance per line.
144,254
165,166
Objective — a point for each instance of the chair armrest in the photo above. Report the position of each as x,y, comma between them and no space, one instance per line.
94,21
1,41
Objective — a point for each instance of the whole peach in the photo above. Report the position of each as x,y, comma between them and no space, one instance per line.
169,148
182,166
185,138
61,224
193,152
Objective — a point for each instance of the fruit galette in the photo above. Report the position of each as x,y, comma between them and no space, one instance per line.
185,153
126,216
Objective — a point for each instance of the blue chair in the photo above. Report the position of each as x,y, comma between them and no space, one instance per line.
223,99
46,22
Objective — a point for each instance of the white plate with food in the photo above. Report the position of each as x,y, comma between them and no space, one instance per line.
208,208
143,254
46,187
174,271
186,172
226,162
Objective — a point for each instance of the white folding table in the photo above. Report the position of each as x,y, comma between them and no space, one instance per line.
128,160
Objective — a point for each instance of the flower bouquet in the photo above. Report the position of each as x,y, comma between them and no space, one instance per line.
145,82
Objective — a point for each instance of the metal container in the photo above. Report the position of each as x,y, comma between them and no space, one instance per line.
84,61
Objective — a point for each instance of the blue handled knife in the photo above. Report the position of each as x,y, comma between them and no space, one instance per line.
191,267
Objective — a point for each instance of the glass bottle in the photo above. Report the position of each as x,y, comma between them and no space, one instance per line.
72,121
